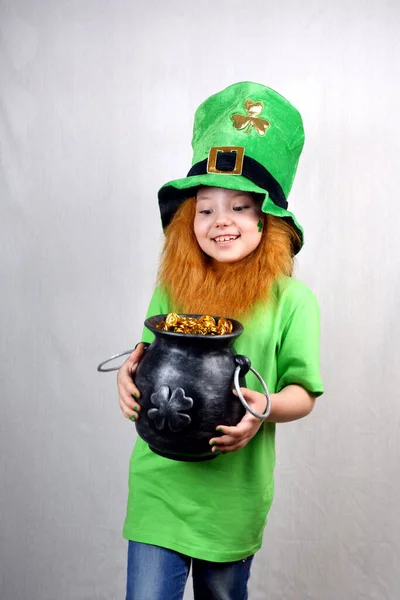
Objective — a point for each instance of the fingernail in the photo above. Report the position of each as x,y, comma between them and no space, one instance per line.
213,443
135,395
136,408
132,418
219,429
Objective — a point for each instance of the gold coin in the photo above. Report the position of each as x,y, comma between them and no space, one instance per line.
172,319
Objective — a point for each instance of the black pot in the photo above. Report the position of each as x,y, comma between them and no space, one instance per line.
186,382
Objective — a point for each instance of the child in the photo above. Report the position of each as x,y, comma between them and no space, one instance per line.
229,248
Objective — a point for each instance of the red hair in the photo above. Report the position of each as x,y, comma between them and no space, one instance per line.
196,285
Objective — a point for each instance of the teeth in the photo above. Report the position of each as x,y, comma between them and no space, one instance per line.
225,238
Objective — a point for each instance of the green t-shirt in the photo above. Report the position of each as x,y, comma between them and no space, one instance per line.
216,510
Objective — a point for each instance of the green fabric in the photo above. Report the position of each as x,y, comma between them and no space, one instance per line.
278,149
216,510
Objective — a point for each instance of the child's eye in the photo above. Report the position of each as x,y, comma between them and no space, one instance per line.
242,207
206,211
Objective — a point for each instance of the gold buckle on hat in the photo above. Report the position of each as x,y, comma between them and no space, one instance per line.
213,155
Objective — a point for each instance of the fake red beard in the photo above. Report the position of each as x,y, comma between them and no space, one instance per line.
195,285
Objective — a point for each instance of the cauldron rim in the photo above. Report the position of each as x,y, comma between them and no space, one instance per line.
236,331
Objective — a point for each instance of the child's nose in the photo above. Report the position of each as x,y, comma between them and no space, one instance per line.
223,219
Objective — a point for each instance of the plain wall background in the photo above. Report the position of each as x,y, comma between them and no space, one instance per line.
97,100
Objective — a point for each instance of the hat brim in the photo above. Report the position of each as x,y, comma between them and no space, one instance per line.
173,193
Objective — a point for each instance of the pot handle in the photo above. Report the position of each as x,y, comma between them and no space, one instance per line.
114,356
244,365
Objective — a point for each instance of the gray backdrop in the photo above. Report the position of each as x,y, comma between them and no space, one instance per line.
97,100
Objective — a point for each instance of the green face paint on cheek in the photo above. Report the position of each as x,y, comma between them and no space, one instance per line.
260,225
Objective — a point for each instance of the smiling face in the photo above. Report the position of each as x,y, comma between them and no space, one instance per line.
227,223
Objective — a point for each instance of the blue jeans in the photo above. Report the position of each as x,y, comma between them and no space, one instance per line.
156,573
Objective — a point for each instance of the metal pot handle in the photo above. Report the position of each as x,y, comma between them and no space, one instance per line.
114,356
246,368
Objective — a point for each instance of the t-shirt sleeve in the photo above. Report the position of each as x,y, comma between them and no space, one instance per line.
159,305
298,353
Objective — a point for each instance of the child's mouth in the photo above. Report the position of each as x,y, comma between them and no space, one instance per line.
225,239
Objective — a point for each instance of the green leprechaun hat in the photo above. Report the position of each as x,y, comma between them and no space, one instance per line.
246,137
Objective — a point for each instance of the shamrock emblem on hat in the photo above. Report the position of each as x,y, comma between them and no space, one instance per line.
170,408
247,122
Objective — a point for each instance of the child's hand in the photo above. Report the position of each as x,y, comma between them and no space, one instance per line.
238,436
126,388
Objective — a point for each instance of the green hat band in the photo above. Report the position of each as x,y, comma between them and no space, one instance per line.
229,160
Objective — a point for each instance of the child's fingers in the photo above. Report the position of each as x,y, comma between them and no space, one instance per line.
234,437
235,431
229,445
220,441
126,401
124,377
127,390
129,395
134,358
130,410
133,368
228,439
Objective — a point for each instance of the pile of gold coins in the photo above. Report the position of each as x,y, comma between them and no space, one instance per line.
204,325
